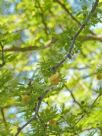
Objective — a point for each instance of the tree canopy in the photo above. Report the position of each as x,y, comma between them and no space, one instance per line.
50,67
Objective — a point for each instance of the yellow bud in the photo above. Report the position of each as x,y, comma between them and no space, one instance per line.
54,79
25,99
52,122
99,76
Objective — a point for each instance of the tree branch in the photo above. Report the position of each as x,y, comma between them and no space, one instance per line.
70,14
30,48
48,44
92,37
75,36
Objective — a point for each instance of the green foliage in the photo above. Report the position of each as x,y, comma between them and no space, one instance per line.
35,36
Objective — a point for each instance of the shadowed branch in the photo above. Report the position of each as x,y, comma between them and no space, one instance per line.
69,54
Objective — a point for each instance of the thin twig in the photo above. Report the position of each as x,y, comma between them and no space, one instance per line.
36,110
88,129
43,18
73,97
4,119
89,75
2,56
75,37
42,122
70,14
83,115
96,100
80,68
67,11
